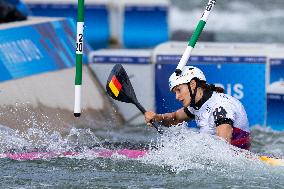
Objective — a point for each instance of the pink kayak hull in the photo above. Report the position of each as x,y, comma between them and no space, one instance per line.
104,153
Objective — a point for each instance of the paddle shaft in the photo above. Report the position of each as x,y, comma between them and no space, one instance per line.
79,58
191,44
154,123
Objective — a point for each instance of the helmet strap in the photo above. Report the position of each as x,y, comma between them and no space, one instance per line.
193,94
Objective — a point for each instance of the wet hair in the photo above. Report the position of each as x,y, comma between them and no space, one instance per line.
211,87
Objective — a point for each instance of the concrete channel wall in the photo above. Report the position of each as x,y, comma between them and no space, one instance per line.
47,100
37,59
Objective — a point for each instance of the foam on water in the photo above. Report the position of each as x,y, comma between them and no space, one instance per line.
184,149
268,141
181,149
41,140
179,154
10,139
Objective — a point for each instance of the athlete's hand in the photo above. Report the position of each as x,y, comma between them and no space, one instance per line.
149,116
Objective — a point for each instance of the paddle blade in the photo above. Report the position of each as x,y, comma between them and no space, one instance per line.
119,86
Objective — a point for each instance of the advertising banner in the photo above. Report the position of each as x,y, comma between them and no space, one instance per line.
37,48
97,27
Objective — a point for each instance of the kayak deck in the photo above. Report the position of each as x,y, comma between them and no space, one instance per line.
104,153
272,161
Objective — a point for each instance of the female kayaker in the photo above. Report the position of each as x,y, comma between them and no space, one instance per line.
214,112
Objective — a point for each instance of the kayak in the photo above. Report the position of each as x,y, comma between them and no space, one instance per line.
105,153
272,161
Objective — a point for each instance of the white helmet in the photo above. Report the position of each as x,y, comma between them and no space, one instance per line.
187,74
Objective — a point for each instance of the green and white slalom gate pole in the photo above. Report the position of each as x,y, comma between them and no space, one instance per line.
195,36
79,58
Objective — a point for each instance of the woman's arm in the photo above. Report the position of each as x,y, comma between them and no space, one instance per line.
167,119
225,131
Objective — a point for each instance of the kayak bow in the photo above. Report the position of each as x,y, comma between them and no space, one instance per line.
272,161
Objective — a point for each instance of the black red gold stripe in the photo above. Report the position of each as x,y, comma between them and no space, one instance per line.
115,86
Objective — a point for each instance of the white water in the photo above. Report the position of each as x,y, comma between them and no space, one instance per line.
178,149
40,138
183,159
183,149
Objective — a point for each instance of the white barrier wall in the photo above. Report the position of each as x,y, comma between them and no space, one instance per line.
47,101
37,59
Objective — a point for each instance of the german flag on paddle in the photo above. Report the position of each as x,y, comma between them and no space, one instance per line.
115,86
119,86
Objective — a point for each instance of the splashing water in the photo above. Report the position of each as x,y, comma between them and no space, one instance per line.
268,141
41,140
183,149
181,158
10,139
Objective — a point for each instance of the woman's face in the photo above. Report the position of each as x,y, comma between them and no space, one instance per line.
182,94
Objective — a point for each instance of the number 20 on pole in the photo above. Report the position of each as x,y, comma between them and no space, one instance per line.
79,58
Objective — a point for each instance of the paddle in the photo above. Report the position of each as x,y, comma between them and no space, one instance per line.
119,88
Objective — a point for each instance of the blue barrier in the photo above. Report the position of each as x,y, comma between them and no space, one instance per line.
241,77
275,113
121,59
275,95
276,69
36,48
123,56
145,27
97,29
